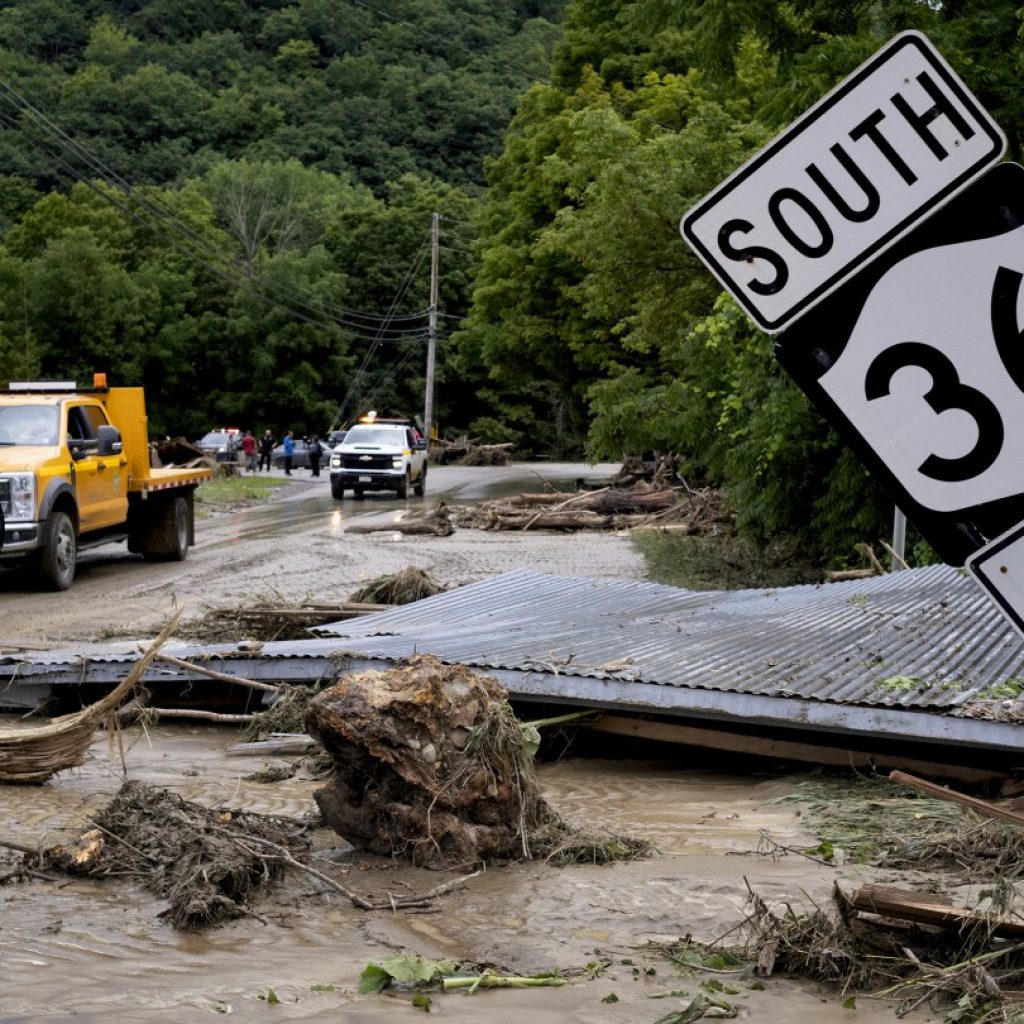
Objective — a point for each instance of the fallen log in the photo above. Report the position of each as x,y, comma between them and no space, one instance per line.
928,908
437,524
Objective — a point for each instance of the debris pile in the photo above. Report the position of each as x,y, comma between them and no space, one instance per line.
208,864
403,587
34,753
469,452
674,510
431,764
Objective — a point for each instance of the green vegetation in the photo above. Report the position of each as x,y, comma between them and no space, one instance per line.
236,490
724,562
256,188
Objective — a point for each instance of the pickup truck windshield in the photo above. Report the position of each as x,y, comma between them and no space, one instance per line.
376,435
28,424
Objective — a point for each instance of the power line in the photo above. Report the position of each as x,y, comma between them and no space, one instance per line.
345,318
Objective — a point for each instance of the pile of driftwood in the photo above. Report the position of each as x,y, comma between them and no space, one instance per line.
469,452
917,947
674,510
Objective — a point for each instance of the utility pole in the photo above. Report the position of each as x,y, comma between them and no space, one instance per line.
428,405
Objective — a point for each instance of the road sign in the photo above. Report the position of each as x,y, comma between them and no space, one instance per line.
891,143
919,363
999,569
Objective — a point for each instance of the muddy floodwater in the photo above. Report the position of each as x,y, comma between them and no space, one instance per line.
99,951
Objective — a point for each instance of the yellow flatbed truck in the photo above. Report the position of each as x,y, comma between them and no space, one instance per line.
75,472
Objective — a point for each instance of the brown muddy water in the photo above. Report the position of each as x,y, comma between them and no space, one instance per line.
97,951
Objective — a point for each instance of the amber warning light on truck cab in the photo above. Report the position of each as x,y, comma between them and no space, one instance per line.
884,149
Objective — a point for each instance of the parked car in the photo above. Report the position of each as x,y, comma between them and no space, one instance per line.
222,444
300,457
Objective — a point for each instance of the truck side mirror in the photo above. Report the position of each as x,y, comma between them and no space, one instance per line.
420,446
108,440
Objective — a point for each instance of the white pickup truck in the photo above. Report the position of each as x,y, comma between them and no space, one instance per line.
379,456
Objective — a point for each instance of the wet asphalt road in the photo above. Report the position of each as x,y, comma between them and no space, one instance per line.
295,548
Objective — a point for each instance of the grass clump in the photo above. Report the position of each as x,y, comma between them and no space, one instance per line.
402,587
237,490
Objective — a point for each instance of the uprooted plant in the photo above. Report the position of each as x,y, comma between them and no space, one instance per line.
967,973
432,764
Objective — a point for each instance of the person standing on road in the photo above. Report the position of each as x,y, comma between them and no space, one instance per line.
315,451
289,452
266,449
249,451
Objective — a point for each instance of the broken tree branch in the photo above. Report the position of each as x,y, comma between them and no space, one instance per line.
224,677
981,806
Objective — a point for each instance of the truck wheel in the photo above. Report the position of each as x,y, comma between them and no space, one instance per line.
337,488
421,485
56,558
403,486
181,528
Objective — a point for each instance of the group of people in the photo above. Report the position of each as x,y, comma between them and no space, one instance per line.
264,448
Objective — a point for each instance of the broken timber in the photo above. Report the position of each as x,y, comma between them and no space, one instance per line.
928,908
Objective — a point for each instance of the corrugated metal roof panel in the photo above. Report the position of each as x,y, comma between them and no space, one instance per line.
920,638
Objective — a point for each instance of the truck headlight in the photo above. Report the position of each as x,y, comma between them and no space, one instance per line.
335,462
23,495
397,462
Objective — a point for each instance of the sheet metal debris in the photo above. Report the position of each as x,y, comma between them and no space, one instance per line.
920,653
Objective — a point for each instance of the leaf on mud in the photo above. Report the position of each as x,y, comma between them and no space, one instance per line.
610,998
825,850
720,960
531,740
270,998
850,1003
421,1002
321,988
414,970
691,1013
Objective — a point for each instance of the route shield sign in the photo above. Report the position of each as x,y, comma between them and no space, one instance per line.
919,362
889,145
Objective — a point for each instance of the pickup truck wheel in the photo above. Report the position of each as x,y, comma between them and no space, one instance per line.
337,488
182,527
56,558
421,485
403,486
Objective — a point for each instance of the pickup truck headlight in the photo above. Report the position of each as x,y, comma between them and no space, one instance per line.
23,495
397,462
335,462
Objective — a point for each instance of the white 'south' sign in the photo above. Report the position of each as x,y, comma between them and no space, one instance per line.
885,148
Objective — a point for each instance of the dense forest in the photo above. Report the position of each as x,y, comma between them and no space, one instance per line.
229,202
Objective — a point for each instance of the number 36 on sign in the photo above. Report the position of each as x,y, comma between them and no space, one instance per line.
919,362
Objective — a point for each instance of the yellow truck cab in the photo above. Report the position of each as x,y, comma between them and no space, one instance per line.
75,472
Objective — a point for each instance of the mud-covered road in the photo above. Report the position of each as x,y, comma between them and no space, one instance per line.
295,547
99,951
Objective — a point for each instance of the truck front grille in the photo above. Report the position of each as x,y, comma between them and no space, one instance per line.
366,462
5,496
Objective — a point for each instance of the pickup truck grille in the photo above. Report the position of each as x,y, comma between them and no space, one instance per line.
366,462
5,496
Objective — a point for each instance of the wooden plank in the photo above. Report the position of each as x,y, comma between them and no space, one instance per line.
927,908
782,749
981,806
